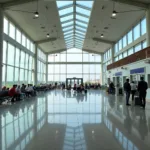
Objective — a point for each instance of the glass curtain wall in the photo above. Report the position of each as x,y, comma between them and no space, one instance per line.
74,63
135,33
18,56
41,75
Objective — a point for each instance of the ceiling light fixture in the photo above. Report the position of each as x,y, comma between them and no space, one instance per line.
36,14
102,35
114,13
48,36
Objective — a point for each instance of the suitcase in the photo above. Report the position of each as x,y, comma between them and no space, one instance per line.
85,91
120,91
137,101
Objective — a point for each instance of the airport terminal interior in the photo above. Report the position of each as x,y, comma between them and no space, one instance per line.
58,59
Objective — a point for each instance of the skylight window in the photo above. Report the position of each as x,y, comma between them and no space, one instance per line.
66,18
88,4
83,33
81,24
83,11
82,37
69,32
82,18
67,24
63,3
79,42
74,26
66,11
82,29
67,29
70,37
69,42
66,36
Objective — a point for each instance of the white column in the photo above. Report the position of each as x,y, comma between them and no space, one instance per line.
112,53
36,65
148,26
1,45
46,68
102,73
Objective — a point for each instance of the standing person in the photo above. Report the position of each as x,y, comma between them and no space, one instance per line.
133,89
127,89
142,88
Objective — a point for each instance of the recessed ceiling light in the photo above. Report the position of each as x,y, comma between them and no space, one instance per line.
102,35
106,28
114,13
36,14
47,35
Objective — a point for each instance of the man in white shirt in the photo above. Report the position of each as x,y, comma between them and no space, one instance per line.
133,89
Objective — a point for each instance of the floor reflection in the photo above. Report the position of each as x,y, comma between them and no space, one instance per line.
62,120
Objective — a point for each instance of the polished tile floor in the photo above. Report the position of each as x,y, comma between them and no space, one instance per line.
60,120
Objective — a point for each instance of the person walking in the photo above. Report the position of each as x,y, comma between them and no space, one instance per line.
127,88
142,88
133,89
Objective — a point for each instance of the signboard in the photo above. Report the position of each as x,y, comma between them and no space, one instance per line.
118,74
138,70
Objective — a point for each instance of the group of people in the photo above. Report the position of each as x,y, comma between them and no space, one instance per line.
132,88
17,91
79,87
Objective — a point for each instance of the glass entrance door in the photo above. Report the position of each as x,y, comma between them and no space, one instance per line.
72,81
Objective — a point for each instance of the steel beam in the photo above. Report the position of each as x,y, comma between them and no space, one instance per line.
56,51
45,40
92,51
103,41
15,3
133,3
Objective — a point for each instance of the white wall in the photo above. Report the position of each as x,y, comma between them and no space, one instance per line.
126,72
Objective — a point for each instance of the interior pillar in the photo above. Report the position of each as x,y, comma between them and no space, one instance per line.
46,68
148,26
102,73
36,65
1,44
112,53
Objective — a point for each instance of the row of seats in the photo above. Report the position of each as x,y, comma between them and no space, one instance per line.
17,93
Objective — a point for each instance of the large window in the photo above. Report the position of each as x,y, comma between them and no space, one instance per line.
6,26
18,63
136,31
143,26
76,64
130,37
12,30
16,68
137,47
125,41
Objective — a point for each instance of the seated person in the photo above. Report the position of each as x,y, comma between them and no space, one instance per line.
18,90
30,90
4,88
75,87
69,87
12,93
81,88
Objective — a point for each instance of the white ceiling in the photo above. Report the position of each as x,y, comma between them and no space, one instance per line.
101,18
49,18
